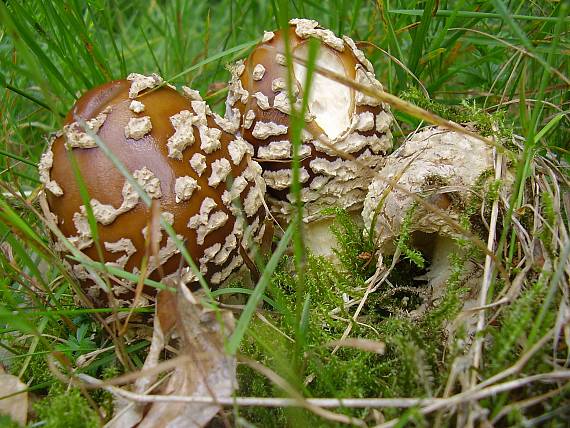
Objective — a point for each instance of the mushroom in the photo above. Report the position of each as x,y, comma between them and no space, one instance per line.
182,155
346,133
444,168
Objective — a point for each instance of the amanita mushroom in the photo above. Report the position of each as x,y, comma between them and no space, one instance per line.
346,132
182,155
443,168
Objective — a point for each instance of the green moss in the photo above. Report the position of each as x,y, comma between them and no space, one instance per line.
253,384
515,324
413,364
348,373
354,249
7,422
485,123
65,409
419,352
104,399
547,205
37,372
404,239
404,293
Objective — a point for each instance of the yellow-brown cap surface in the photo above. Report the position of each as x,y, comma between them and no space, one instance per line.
180,154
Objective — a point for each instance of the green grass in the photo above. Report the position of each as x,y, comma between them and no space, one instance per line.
503,63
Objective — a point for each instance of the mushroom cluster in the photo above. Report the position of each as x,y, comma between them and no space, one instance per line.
185,157
346,133
208,174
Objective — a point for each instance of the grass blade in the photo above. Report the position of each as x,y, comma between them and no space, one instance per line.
257,295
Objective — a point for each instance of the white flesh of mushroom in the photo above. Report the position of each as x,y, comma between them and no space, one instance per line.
329,101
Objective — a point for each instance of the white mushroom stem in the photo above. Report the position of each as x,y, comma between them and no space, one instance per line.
319,239
440,266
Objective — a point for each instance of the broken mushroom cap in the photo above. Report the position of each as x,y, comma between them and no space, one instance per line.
182,155
346,132
444,168
450,171
436,164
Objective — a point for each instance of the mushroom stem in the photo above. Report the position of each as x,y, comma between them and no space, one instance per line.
319,238
439,248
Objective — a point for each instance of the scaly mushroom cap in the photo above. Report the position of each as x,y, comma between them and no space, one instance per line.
340,120
439,165
181,154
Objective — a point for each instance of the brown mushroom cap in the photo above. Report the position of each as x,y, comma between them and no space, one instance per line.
178,152
340,120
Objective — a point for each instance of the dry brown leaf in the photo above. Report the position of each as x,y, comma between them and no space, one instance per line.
13,398
200,335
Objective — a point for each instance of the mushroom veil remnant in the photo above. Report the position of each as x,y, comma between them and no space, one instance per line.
346,133
186,158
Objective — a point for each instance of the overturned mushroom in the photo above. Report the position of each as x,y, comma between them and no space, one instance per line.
447,170
346,132
183,156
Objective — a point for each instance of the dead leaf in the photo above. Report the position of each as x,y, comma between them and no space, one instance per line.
13,398
211,372
166,309
199,334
